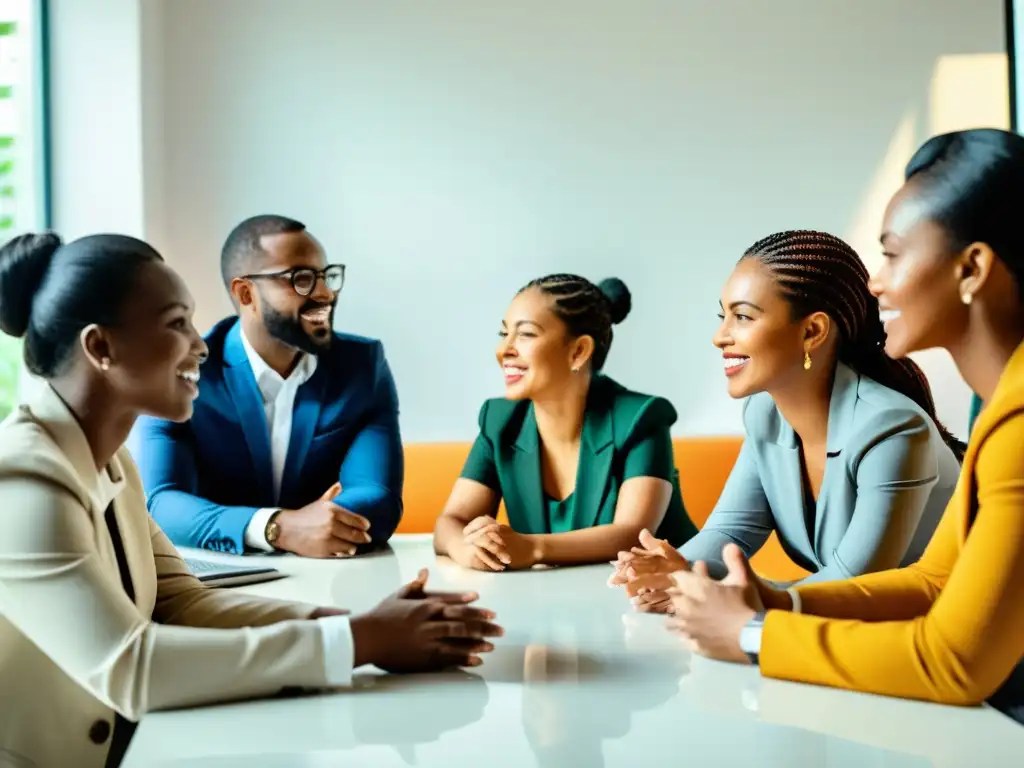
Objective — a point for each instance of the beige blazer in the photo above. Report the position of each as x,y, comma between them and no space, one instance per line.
73,647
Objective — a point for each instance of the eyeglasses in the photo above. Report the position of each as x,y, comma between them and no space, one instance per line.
305,279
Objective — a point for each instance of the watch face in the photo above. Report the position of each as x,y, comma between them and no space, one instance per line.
273,529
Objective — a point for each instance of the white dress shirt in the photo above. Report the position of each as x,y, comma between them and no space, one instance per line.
278,404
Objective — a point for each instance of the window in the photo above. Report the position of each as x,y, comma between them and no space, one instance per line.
22,166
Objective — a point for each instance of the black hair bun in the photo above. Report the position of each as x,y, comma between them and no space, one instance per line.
24,261
620,301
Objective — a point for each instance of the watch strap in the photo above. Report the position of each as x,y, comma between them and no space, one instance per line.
750,638
272,529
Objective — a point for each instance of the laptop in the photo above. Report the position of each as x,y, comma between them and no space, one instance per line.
222,575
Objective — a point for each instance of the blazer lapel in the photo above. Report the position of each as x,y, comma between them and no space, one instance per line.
841,411
791,482
305,416
786,473
246,397
524,496
595,464
98,491
133,550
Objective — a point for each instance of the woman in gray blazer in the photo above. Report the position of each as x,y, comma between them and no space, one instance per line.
843,455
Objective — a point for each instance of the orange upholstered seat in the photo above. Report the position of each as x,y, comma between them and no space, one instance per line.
704,464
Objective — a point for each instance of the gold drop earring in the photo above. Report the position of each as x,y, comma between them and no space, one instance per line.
807,360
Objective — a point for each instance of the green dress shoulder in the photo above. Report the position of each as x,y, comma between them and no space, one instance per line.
625,434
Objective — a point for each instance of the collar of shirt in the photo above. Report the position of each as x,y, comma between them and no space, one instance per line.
270,381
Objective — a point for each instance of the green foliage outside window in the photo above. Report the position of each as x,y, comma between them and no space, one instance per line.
10,349
10,372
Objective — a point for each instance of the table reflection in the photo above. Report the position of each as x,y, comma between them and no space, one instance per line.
424,717
565,725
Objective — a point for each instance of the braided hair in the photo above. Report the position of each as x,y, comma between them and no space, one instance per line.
587,309
819,272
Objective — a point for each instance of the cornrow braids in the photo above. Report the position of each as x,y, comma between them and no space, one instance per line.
819,272
585,308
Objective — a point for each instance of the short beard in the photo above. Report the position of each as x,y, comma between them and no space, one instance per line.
289,330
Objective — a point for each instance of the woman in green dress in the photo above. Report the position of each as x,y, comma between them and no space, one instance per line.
582,463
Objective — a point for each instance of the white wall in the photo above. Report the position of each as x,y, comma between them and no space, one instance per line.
96,127
450,151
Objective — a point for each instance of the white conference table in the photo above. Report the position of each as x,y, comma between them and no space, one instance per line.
578,679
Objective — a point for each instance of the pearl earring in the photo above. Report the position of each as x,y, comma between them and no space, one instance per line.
807,360
105,364
967,298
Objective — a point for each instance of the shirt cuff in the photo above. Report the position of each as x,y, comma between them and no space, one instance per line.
339,650
256,530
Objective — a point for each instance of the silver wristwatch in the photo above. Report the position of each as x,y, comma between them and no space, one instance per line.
750,638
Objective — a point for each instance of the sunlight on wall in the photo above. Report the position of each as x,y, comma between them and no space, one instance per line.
863,233
966,91
969,91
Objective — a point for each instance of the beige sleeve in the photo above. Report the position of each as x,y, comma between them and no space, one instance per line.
185,601
55,590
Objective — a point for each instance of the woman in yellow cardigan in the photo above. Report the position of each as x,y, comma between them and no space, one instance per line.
949,628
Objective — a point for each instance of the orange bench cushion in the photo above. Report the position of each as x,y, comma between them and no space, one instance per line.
704,464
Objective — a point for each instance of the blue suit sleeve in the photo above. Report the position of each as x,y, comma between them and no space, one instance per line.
165,454
373,470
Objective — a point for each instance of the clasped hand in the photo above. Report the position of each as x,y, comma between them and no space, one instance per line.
645,572
708,614
489,546
416,630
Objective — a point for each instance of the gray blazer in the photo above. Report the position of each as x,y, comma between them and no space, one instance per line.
888,477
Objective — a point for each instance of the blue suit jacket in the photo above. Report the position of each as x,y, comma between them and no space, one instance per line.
206,478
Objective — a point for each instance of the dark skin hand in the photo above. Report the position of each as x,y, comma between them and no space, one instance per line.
322,529
418,631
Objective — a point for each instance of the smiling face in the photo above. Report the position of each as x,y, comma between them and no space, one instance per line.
303,322
762,346
155,350
919,283
535,350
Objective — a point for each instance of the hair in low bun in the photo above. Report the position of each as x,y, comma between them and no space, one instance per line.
50,291
585,308
620,301
24,262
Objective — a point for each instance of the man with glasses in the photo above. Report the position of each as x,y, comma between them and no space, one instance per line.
294,443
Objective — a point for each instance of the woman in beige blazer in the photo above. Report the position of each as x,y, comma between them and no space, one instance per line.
100,620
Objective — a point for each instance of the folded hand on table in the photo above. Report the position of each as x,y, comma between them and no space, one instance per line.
489,546
645,572
416,631
322,528
710,614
